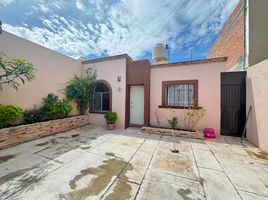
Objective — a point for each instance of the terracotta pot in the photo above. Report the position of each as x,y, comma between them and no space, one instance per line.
110,127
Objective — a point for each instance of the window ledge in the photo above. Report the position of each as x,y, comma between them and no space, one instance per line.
98,112
179,107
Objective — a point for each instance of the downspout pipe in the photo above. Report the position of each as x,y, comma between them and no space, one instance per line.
245,34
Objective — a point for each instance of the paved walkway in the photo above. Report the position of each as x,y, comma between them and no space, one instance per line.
92,163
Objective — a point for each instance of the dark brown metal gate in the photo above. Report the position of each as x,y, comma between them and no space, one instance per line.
233,103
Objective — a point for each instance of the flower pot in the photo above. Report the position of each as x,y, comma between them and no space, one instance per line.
110,127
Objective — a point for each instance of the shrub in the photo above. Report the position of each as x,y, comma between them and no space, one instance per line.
173,122
33,115
9,114
110,117
53,108
80,90
192,117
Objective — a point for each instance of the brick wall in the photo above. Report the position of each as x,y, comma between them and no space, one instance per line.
24,133
230,41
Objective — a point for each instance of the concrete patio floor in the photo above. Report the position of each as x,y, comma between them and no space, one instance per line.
92,163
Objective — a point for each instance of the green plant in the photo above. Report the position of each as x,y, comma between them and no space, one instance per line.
33,115
9,114
191,117
53,108
110,117
173,122
80,90
14,71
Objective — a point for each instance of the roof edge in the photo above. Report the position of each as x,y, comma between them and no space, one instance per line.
39,45
115,57
193,62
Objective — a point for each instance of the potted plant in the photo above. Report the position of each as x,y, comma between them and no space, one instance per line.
110,118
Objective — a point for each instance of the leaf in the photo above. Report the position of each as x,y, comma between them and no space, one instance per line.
14,70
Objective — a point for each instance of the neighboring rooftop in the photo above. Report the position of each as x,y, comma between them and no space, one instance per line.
115,57
192,62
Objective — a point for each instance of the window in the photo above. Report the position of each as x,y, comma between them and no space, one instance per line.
180,93
101,98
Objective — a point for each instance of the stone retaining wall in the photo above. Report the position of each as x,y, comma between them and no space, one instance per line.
24,133
177,133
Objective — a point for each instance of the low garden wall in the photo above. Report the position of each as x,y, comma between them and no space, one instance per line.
19,134
177,133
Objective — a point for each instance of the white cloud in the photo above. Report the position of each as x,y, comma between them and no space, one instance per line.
5,3
64,36
41,6
44,8
131,27
57,4
80,5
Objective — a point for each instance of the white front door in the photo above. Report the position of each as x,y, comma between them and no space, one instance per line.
137,105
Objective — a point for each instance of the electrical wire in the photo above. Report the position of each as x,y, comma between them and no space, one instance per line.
157,27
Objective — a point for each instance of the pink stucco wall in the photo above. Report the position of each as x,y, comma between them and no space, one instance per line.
109,71
208,76
53,70
257,95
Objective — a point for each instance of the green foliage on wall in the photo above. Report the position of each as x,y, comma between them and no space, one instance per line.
9,114
52,108
80,90
33,115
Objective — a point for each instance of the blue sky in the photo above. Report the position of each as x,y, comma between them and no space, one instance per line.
98,28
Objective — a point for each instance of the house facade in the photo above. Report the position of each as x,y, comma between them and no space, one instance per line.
142,94
148,95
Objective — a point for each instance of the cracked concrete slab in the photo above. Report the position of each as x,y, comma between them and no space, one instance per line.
71,181
162,177
93,163
24,179
139,163
248,178
148,146
121,190
163,190
217,185
182,144
199,144
177,164
21,162
241,159
206,159
251,196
